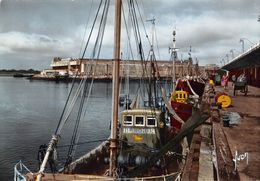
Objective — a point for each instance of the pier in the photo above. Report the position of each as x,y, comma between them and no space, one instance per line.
221,152
229,149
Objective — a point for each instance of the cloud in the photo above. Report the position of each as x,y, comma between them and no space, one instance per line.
211,30
24,50
42,29
18,42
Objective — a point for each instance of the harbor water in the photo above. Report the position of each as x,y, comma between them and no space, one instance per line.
30,111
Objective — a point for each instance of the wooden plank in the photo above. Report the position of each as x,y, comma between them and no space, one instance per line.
205,163
191,168
226,166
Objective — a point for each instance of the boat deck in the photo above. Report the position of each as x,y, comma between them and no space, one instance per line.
63,177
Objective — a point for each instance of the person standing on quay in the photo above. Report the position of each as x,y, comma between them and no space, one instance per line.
224,80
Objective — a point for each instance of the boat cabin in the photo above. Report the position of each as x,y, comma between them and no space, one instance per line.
142,126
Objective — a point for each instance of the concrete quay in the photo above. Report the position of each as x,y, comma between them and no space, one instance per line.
244,137
221,152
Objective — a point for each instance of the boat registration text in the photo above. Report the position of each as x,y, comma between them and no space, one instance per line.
138,131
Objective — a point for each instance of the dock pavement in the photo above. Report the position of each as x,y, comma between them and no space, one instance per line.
244,136
227,152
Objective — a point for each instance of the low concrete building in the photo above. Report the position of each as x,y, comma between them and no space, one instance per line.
132,68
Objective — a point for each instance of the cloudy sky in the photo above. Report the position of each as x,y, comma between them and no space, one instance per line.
32,32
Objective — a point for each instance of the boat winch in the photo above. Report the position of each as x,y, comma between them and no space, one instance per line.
128,159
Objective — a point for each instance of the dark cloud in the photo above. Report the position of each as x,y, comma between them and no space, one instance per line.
42,29
52,17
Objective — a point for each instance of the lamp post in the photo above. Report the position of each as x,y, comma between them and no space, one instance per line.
252,43
243,43
232,53
220,62
223,61
227,58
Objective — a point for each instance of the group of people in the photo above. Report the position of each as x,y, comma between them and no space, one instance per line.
225,78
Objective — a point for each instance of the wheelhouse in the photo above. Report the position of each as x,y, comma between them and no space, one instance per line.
142,126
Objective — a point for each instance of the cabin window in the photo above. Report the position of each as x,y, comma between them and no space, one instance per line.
128,120
139,120
151,122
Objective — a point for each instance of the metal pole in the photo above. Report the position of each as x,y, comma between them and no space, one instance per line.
232,53
115,94
173,55
53,142
227,58
243,45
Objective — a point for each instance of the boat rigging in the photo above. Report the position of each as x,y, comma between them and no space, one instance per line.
140,137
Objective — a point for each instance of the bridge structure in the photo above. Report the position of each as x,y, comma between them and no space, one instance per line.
247,63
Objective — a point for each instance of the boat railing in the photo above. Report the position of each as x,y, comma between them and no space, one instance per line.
176,176
19,170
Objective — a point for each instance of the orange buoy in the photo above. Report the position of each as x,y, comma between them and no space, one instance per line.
223,99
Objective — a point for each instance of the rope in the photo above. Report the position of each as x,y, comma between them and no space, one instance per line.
82,143
129,47
143,23
90,11
58,129
96,51
157,45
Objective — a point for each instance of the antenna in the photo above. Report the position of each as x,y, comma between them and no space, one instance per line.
197,61
173,58
153,29
190,52
173,49
152,20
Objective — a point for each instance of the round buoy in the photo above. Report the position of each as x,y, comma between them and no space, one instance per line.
219,94
223,99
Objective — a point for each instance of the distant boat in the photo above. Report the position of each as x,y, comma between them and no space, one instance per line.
18,75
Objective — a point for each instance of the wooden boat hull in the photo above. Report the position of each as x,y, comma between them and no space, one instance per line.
183,110
197,86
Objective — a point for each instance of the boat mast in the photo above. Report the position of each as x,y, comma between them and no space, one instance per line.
152,68
173,56
115,89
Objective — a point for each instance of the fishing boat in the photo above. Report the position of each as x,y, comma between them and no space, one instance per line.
194,86
185,94
141,145
184,98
